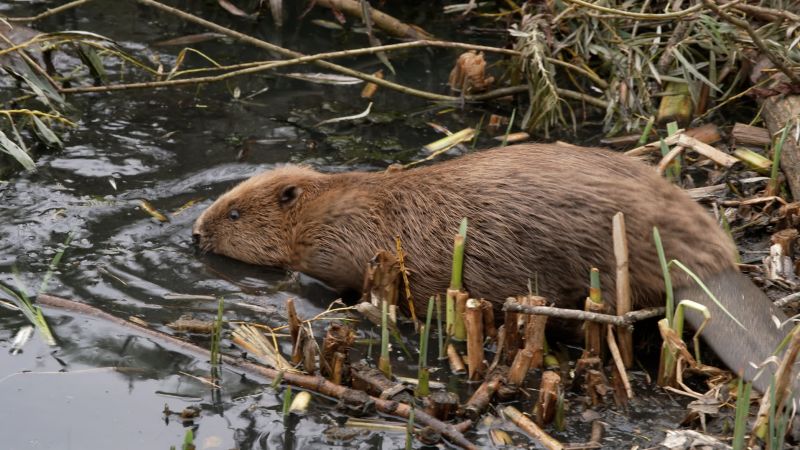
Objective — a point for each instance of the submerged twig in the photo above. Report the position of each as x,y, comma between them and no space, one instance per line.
48,12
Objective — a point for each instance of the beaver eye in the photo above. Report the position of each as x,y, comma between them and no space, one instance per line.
233,214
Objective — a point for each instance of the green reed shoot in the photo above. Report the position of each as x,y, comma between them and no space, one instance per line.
675,315
452,319
667,278
188,440
560,422
21,299
776,160
277,381
410,430
742,409
595,293
508,129
778,420
216,338
440,335
55,262
424,375
287,401
647,129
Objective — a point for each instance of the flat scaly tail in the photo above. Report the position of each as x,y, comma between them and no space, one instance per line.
755,340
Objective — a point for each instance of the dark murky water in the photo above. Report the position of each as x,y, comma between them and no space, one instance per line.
171,147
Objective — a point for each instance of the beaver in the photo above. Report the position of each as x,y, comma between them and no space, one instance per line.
535,210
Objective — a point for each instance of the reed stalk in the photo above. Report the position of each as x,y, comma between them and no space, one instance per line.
410,430
742,409
287,401
474,325
453,321
384,363
594,286
593,337
216,338
424,374
774,187
440,334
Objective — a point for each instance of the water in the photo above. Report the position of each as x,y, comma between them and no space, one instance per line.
178,149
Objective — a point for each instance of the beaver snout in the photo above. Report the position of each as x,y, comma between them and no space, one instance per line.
200,237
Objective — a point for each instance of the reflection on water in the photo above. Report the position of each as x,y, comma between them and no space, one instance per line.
169,147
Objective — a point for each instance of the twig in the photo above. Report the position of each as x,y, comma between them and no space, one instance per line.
30,112
617,357
36,67
601,83
763,13
512,90
783,301
668,158
298,58
575,314
531,429
293,54
756,40
268,65
48,12
313,383
667,55
640,16
386,22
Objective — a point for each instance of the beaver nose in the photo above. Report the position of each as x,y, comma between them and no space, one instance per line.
196,238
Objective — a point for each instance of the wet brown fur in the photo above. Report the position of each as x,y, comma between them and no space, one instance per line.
538,210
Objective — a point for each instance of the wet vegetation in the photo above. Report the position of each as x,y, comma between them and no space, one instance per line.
122,120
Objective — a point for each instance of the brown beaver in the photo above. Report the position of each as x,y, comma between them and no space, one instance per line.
538,210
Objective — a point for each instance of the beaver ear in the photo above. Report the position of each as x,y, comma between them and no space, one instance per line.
289,195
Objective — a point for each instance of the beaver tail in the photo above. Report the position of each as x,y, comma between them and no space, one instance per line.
753,339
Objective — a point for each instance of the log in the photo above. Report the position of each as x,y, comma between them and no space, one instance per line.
749,135
777,112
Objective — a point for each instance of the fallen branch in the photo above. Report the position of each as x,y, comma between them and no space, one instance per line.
639,16
627,320
312,383
684,140
298,58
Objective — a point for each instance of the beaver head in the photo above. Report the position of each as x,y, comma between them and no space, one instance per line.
253,221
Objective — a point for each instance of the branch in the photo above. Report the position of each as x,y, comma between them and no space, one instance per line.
626,320
293,54
756,40
48,12
640,16
312,383
381,19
